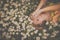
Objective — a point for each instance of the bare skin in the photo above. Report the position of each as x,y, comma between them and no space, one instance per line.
41,15
46,9
50,8
42,2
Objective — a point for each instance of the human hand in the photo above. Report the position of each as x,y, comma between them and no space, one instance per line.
41,18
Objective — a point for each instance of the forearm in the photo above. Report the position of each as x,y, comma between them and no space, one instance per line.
42,2
51,8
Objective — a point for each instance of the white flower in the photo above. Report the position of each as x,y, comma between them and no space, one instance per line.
35,31
50,27
23,34
31,33
37,38
44,37
23,26
17,33
20,19
47,23
44,30
40,34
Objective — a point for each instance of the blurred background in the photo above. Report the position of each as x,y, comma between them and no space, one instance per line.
15,23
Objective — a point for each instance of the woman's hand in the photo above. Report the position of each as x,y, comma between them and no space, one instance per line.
41,18
37,11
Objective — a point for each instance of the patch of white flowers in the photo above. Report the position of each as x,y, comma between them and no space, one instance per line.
16,22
